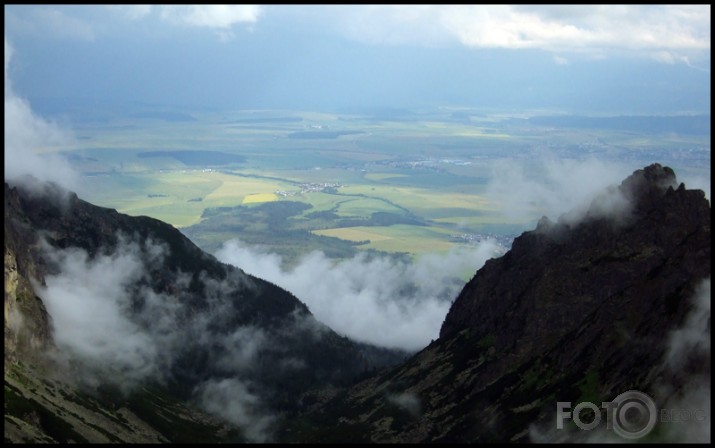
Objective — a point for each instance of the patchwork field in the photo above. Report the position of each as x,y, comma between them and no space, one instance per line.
395,184
397,238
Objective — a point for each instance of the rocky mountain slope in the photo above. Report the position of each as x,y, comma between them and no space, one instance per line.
188,330
579,310
119,329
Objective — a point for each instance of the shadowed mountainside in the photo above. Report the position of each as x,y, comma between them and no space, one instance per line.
189,325
579,310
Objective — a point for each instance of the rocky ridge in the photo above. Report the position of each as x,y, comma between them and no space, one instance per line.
578,310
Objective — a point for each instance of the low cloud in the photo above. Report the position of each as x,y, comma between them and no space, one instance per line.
27,135
407,401
90,305
697,182
689,345
377,300
694,337
232,399
682,391
109,325
552,187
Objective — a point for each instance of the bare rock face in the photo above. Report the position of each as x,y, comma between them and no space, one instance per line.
581,308
27,325
539,291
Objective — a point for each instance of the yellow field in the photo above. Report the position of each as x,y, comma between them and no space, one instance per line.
259,197
179,197
233,189
397,238
354,233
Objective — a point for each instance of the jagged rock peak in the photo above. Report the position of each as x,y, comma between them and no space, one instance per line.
584,307
648,184
661,221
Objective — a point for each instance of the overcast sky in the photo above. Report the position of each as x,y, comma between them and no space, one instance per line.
650,59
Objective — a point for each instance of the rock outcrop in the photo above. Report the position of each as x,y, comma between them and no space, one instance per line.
581,309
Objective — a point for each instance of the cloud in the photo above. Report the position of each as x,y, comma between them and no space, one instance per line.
219,17
697,182
694,336
666,33
57,23
559,60
690,345
593,29
241,347
407,401
203,16
134,12
566,189
26,134
682,389
61,25
90,308
386,24
232,399
501,26
527,190
109,325
574,28
377,300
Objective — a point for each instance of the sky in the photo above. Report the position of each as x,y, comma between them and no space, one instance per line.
598,59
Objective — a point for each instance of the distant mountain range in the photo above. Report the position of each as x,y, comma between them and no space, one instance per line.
119,329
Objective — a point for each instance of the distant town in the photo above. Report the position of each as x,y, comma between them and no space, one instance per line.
310,187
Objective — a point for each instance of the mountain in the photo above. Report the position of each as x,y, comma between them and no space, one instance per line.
119,329
121,322
584,309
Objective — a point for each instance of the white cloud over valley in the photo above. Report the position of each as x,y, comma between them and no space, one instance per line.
529,189
377,300
109,323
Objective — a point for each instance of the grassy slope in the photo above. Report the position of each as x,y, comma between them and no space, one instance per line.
40,409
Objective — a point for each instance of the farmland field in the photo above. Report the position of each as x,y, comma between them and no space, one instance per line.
394,184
